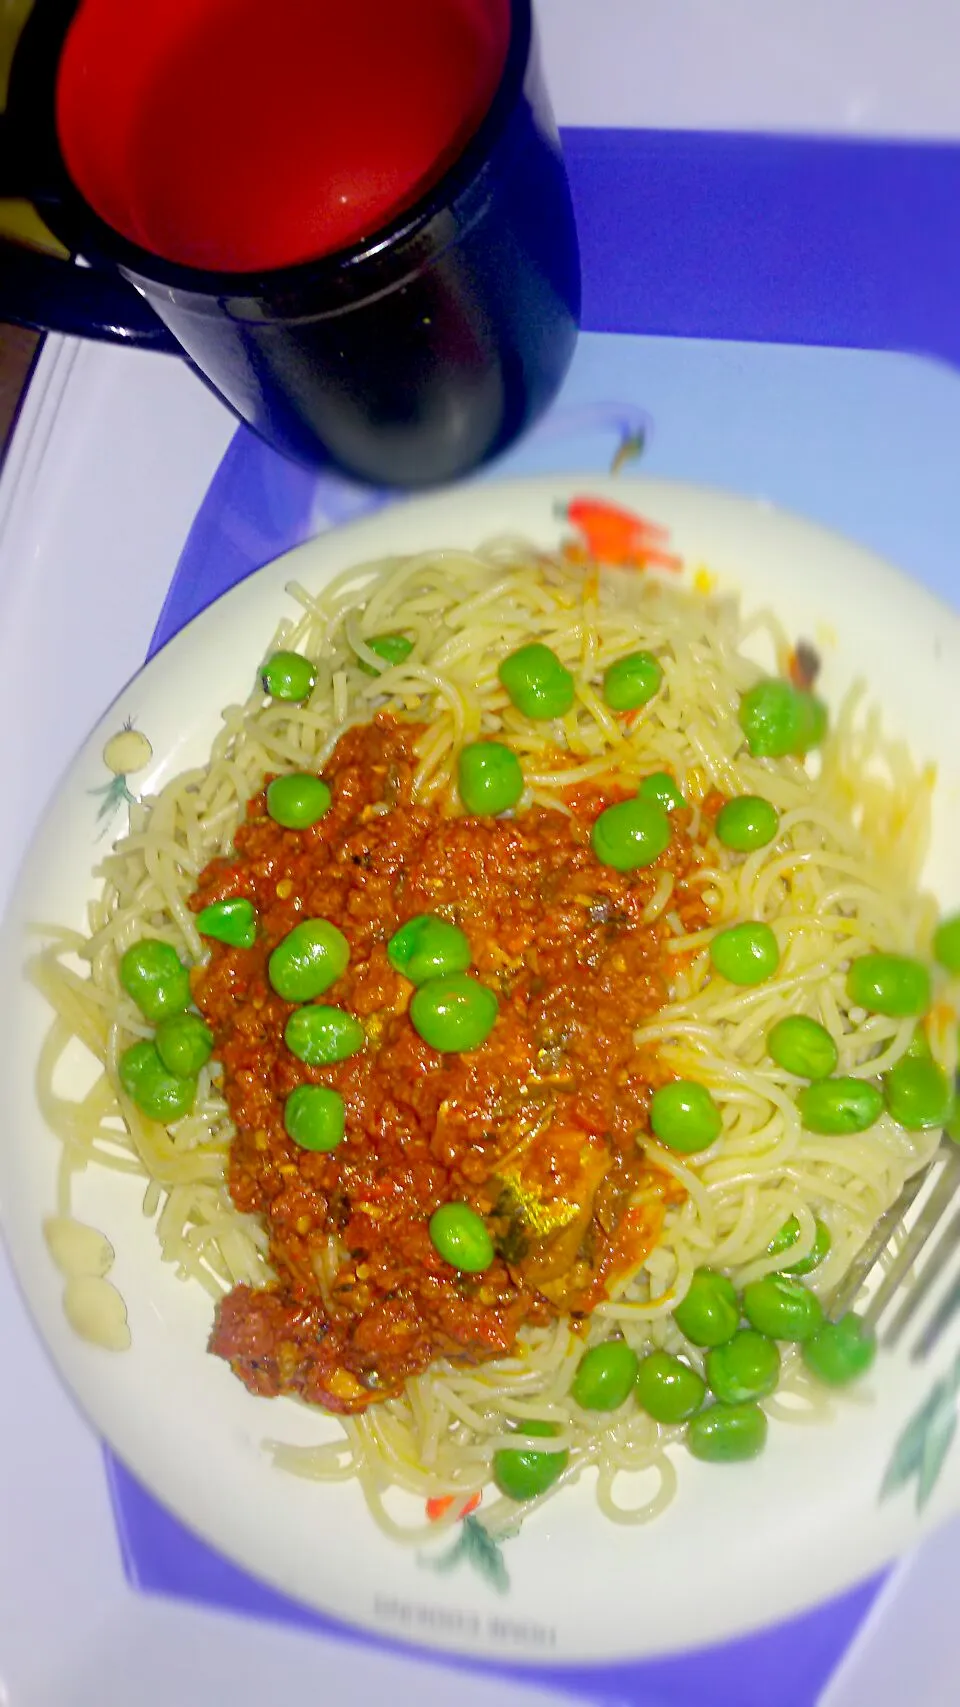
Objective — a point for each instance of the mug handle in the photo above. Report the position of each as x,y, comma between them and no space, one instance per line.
51,295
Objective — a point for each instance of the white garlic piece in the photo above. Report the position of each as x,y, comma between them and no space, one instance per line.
75,1248
96,1311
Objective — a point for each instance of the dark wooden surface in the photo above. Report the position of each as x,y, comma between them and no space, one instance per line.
17,349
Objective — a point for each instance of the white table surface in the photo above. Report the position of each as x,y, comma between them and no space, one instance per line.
858,67
110,460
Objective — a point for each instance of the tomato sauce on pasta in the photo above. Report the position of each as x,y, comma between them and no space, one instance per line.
537,1130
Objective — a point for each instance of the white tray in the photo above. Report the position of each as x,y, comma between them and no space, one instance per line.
110,459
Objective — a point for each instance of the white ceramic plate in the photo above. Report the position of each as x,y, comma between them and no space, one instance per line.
741,1546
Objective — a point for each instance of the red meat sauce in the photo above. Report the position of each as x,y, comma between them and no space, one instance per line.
537,1129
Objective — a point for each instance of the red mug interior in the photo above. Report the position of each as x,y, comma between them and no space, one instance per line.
245,135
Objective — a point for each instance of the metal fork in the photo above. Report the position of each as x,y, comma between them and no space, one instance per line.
942,1173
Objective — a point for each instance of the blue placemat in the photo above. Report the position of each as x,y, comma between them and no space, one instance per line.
783,1667
826,258
779,239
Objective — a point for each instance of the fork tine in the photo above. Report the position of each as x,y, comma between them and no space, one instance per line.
931,1214
940,1255
848,1290
943,1314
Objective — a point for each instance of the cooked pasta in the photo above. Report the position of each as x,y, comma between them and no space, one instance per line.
839,880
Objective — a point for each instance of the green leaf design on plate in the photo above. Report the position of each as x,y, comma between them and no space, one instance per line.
474,1546
115,793
921,1449
632,445
127,751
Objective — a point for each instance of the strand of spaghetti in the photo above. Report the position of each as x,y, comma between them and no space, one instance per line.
62,940
83,1009
332,1462
567,776
155,848
651,1508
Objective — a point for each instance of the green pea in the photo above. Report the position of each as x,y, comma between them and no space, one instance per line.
837,1108
392,648
893,984
489,777
152,973
319,1035
428,947
777,719
158,1094
840,1351
308,960
536,681
454,1012
770,718
631,681
459,1235
605,1376
728,1434
668,1389
523,1475
184,1044
233,921
918,1095
745,954
631,834
787,1238
660,786
747,1367
709,1314
288,675
684,1116
918,1049
802,1046
297,801
137,1063
946,943
747,822
813,722
314,1117
782,1308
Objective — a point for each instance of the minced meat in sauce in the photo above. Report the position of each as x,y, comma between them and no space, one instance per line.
537,1129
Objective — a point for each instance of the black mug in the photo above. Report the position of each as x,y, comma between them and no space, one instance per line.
408,357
